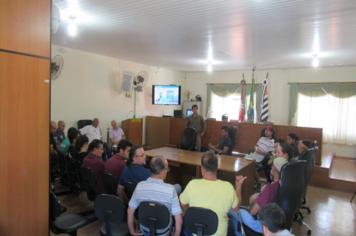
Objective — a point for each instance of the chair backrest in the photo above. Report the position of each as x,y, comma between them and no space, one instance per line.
308,156
232,134
154,216
110,183
82,123
201,221
54,205
263,133
109,209
291,188
129,189
88,177
188,139
312,144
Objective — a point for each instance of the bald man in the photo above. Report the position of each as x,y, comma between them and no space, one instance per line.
59,135
52,142
116,134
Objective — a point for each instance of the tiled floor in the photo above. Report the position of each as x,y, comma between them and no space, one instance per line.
343,169
332,213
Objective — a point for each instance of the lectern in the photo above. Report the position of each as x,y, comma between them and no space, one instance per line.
133,130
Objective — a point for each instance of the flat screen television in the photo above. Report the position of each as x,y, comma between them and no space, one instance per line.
165,94
189,112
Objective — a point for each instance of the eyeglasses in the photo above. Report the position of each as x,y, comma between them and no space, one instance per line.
168,169
142,155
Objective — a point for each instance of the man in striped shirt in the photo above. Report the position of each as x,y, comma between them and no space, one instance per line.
154,189
263,146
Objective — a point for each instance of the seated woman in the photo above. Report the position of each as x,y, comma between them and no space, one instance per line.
283,150
292,139
81,148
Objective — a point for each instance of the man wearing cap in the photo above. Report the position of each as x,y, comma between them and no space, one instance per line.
263,146
263,199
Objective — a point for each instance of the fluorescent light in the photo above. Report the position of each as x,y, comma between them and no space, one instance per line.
315,61
210,68
72,28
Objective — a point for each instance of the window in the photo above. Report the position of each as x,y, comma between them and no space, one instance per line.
337,117
228,105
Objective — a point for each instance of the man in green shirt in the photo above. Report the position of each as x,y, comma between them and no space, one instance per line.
197,121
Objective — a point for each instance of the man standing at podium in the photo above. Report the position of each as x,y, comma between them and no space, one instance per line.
196,121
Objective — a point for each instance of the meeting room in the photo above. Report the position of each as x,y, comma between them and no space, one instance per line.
233,118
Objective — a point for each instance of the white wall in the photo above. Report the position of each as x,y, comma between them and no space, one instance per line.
278,91
88,87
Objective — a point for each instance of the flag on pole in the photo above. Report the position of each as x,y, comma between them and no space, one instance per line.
251,108
242,107
264,104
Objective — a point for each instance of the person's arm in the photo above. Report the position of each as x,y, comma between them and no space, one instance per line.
123,137
182,205
52,150
254,209
187,123
238,184
301,147
121,194
204,126
259,151
218,150
130,222
178,225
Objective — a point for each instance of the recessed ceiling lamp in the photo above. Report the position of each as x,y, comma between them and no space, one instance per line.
72,28
315,61
210,68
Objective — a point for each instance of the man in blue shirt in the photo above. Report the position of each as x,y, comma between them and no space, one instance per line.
134,172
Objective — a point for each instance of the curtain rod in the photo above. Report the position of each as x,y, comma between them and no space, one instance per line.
227,83
327,83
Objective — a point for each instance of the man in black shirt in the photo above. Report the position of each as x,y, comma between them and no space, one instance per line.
225,141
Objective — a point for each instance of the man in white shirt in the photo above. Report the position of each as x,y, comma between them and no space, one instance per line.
115,134
93,132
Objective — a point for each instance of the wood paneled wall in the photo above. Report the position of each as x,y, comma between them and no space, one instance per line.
133,130
24,116
157,131
247,134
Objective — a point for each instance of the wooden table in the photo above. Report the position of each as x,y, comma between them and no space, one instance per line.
187,164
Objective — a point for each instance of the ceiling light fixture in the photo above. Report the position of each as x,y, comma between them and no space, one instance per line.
72,28
315,61
210,68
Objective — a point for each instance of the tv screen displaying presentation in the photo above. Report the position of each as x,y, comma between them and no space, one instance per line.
189,112
165,95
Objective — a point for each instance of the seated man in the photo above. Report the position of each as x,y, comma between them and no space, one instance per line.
66,143
263,146
117,163
263,199
116,134
93,132
273,220
224,144
94,162
212,193
59,135
134,172
52,142
154,189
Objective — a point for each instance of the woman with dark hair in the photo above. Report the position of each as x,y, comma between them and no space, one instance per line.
292,140
81,148
284,150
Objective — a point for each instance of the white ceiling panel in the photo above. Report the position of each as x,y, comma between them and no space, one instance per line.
242,34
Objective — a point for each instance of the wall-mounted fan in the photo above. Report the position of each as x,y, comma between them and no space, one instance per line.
139,82
56,66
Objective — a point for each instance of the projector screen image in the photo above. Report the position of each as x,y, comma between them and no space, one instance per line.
165,95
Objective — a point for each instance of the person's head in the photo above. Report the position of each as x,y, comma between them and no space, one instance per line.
137,155
195,109
124,148
82,142
224,131
72,138
159,167
96,147
53,127
269,131
72,130
292,138
284,150
277,142
272,218
95,122
209,164
61,126
114,124
277,166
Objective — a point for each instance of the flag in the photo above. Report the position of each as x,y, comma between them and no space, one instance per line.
251,109
242,107
264,104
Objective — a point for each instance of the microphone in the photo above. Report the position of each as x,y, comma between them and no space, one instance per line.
128,114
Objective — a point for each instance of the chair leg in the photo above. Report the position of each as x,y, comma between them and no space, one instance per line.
353,197
309,229
306,208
